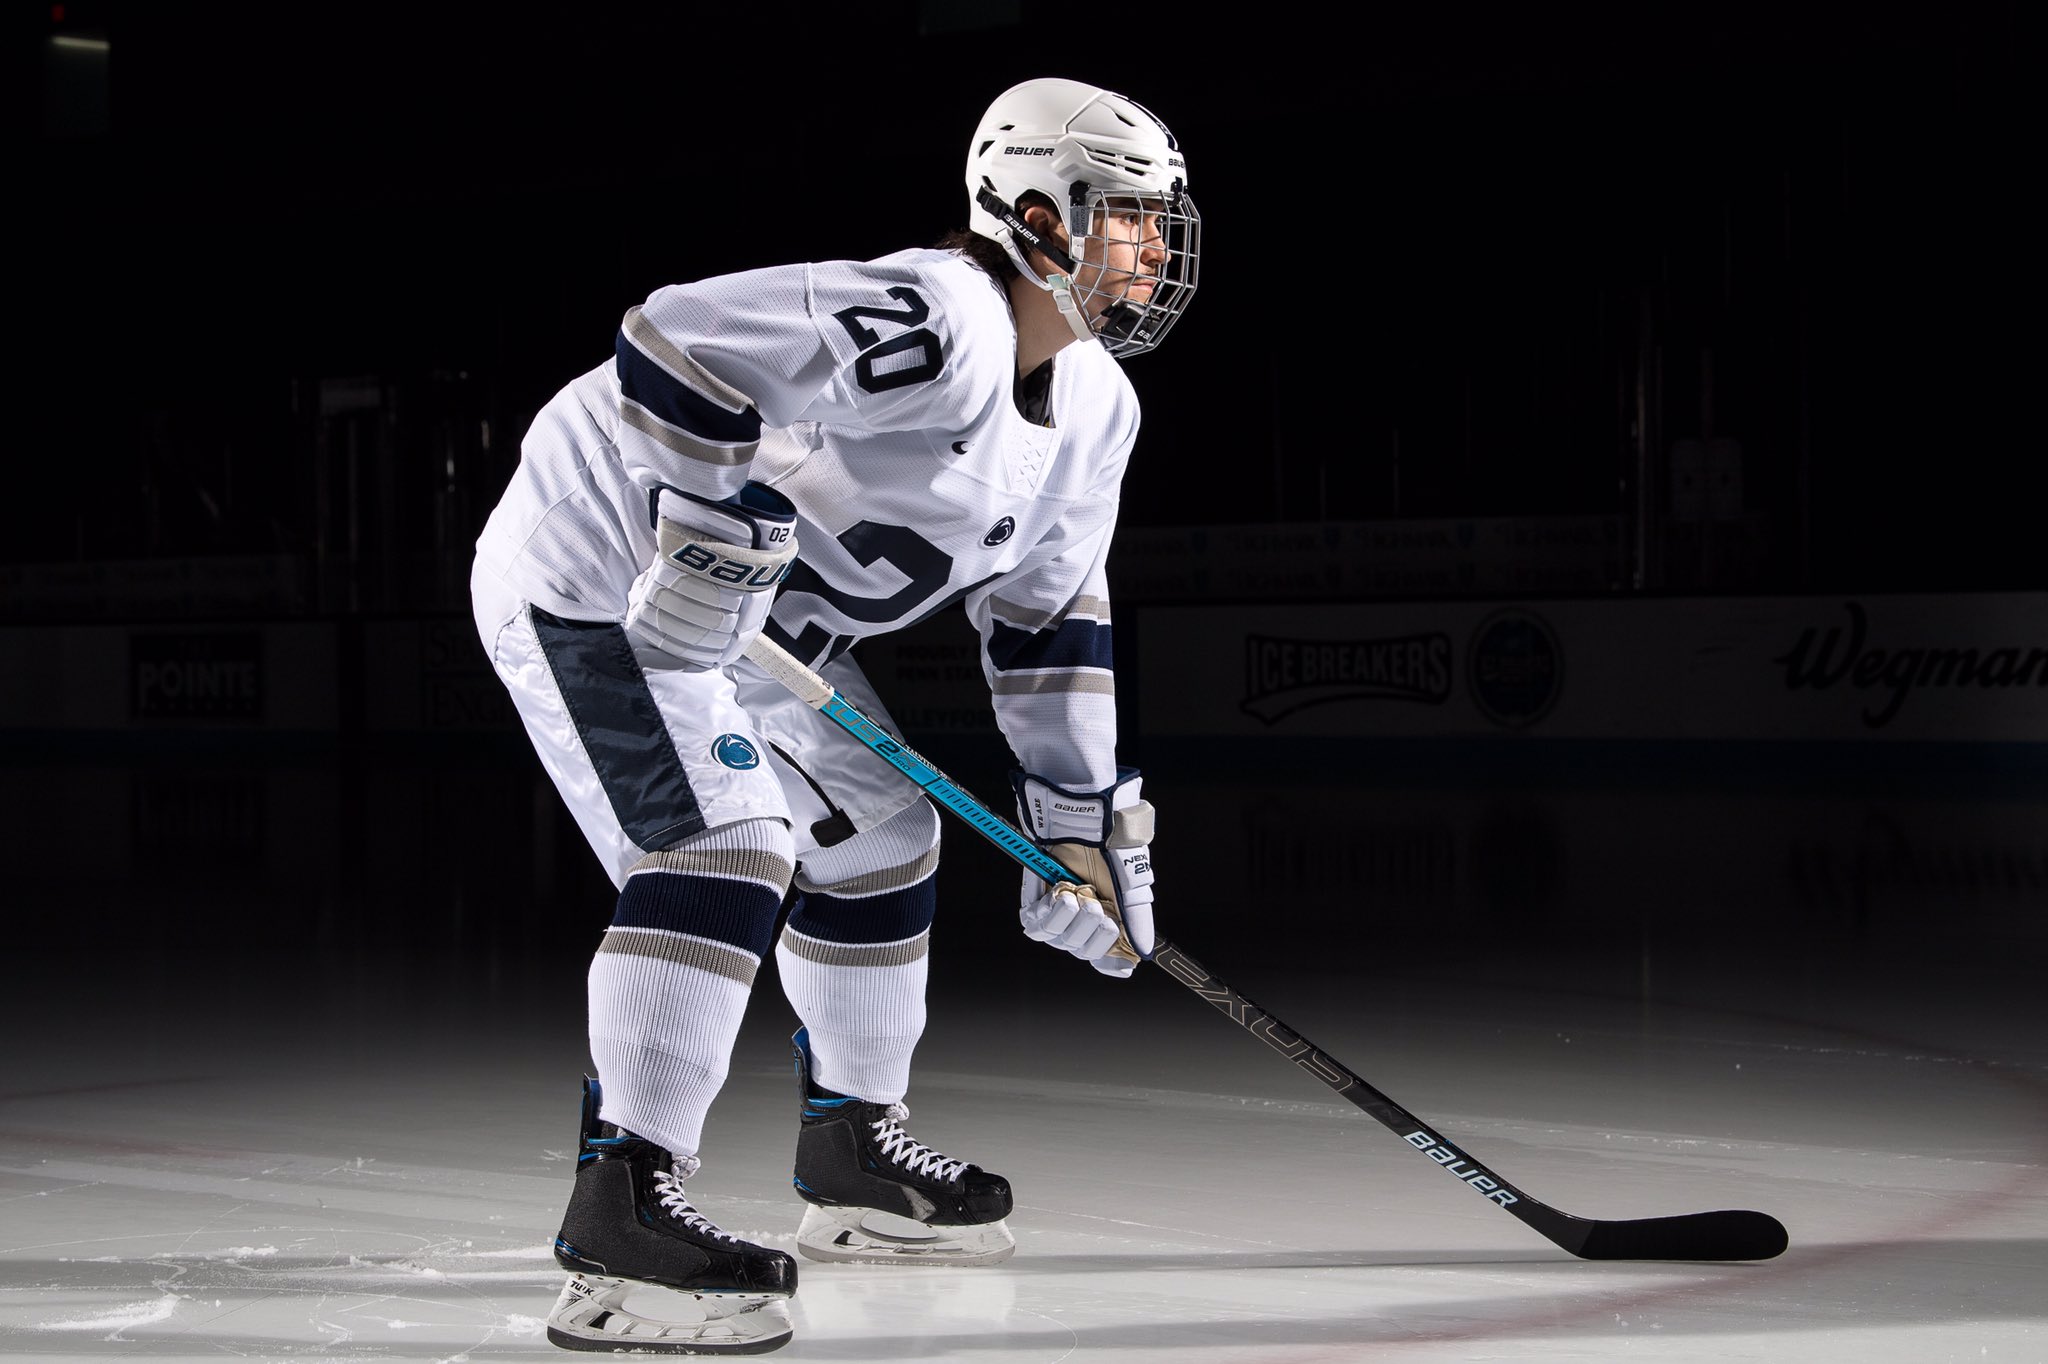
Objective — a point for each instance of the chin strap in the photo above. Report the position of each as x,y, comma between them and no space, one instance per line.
1062,289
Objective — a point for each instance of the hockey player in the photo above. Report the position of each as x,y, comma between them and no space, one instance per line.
824,452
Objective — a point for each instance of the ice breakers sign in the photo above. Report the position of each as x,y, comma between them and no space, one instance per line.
1823,660
1282,676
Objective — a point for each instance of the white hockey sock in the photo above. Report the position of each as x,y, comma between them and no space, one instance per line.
669,983
854,953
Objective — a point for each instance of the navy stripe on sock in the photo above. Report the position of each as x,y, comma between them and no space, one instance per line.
889,917
738,913
621,728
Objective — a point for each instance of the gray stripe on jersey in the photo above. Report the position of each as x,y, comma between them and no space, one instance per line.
875,882
1031,618
682,950
856,954
682,442
739,864
1035,684
659,348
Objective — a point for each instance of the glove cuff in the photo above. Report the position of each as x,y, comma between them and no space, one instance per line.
1116,816
755,517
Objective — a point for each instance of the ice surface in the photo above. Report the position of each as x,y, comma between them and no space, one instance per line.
297,1157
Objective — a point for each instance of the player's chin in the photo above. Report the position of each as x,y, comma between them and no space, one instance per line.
1131,296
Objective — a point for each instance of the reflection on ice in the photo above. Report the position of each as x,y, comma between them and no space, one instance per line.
370,1166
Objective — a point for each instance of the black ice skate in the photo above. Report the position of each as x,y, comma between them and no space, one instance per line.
855,1161
630,1229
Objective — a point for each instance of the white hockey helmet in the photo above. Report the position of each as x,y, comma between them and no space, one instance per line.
1083,147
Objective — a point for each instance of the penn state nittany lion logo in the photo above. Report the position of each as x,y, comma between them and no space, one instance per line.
735,752
1000,531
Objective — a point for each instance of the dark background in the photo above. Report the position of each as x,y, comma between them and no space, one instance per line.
1477,261
1470,262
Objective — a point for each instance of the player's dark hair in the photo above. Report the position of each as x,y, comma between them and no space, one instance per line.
994,261
991,257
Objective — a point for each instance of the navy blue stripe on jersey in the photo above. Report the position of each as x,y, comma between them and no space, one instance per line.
889,917
621,728
1077,643
737,913
675,402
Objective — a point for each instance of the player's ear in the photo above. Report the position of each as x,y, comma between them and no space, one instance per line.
1043,219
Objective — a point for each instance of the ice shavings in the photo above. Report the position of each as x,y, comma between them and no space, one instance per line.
119,1317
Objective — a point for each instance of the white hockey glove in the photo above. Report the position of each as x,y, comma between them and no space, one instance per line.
707,593
1105,837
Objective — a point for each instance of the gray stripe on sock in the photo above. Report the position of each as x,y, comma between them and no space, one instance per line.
682,950
856,954
875,882
745,864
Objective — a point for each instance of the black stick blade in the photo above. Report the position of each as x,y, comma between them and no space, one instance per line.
1692,1236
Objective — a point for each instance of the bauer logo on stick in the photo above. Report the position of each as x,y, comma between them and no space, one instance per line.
1461,1165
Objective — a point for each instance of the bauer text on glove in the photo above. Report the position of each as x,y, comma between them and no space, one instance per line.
1104,838
707,593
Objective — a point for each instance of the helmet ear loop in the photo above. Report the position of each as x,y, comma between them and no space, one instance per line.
993,204
1059,285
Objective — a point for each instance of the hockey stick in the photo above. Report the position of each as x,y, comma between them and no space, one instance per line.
1725,1235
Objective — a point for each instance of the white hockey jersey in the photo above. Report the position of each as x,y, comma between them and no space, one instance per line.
879,397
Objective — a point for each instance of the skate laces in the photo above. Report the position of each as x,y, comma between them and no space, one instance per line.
668,1188
915,1155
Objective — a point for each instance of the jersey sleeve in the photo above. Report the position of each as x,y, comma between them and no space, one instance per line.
704,367
1046,653
1045,628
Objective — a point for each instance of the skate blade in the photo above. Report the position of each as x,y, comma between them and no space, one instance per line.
866,1236
592,1313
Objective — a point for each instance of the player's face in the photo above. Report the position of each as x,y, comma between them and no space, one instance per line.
1122,255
